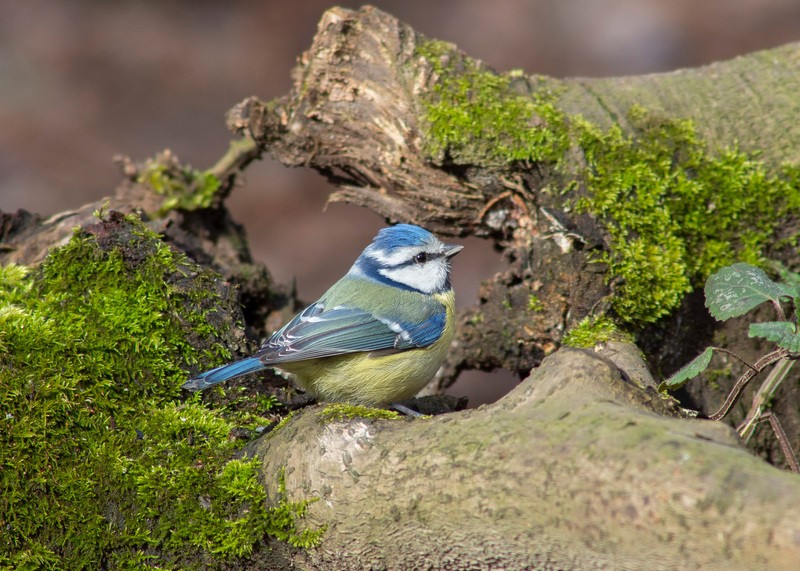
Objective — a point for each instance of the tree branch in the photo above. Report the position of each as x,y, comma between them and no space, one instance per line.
571,470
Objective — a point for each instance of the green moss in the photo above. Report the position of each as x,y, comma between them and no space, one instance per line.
281,423
675,211
99,461
476,117
183,187
249,409
535,304
338,412
593,330
285,515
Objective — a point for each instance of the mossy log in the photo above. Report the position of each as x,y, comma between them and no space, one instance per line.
584,465
608,197
577,468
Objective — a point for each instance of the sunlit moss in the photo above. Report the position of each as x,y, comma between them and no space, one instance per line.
183,187
593,330
535,304
339,411
474,116
99,459
675,211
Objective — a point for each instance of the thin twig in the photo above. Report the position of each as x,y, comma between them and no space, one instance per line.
764,394
778,309
737,389
782,440
737,357
240,153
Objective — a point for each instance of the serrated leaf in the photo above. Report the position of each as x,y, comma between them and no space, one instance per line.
735,290
688,371
782,333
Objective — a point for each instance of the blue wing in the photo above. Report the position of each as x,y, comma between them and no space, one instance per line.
319,332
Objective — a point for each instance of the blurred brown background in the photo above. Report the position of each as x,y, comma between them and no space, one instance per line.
83,80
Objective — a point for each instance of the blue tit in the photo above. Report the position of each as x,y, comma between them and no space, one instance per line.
377,336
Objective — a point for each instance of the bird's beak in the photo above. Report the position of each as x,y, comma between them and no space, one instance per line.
451,250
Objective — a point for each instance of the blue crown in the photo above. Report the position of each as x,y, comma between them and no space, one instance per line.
400,236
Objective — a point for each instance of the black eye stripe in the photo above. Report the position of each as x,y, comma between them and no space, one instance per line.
428,256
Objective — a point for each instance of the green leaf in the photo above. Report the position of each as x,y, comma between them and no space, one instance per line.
790,281
788,276
783,333
735,290
688,371
790,290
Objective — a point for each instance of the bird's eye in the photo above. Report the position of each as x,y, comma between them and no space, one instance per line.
421,258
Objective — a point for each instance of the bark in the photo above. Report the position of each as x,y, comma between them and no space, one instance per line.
570,470
577,468
355,115
209,236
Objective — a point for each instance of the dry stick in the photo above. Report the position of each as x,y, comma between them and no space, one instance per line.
736,392
782,440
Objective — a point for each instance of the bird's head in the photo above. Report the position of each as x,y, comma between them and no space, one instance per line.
407,256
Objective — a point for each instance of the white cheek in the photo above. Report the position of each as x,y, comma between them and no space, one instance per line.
427,278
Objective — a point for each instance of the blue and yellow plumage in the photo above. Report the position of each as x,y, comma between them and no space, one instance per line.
377,336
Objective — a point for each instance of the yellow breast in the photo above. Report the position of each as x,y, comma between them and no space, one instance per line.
375,379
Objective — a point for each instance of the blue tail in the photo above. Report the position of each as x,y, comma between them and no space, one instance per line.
223,373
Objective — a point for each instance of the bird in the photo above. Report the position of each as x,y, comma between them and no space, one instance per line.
377,336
